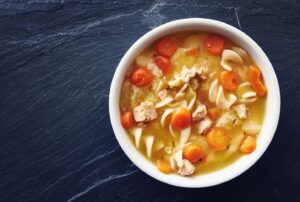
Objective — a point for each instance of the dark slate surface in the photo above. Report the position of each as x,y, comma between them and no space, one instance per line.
57,60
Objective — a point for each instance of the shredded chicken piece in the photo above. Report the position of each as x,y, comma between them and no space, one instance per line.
204,125
187,74
144,112
187,168
199,113
241,111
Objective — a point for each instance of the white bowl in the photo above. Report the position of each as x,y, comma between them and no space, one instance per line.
271,114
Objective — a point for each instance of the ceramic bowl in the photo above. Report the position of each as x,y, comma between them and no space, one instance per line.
271,114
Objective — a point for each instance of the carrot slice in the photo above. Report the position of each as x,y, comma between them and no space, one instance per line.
248,145
214,44
163,63
228,80
193,52
181,118
214,113
127,119
164,166
166,47
141,76
217,139
193,152
255,79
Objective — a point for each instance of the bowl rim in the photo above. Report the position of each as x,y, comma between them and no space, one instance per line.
270,120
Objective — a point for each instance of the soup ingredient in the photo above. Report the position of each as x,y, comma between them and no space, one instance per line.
137,133
231,59
184,135
213,91
163,63
187,168
228,80
164,102
227,120
166,47
144,112
141,77
181,118
248,144
241,111
199,113
127,119
214,113
193,152
193,52
203,125
218,139
255,78
251,128
164,166
186,74
163,120
215,44
225,102
149,144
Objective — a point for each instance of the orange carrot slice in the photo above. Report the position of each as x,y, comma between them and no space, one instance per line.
193,152
164,166
218,139
255,79
181,118
248,145
228,80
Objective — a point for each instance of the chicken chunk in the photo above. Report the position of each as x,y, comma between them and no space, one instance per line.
241,111
187,168
144,112
188,73
204,125
199,113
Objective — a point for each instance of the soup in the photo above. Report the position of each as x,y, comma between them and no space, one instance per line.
193,102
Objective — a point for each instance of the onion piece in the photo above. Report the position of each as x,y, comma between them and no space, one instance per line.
213,91
164,102
192,102
172,131
149,144
182,103
181,93
137,133
164,117
158,145
184,135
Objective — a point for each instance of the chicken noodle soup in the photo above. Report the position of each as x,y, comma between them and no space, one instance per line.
193,102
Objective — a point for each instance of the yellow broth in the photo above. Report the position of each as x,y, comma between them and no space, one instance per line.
215,160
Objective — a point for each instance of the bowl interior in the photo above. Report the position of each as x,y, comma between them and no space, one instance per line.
271,114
